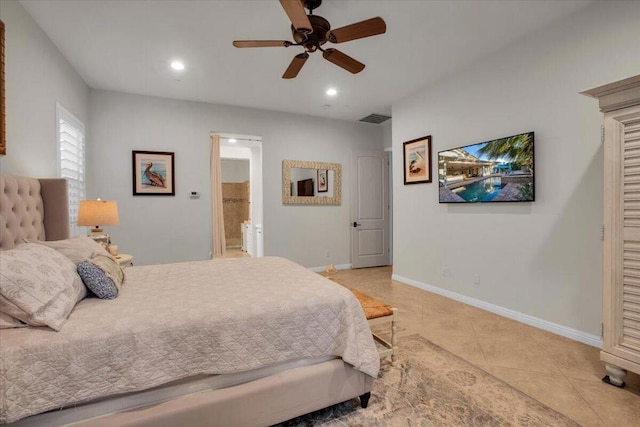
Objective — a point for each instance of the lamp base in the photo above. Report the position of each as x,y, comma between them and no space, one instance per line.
100,237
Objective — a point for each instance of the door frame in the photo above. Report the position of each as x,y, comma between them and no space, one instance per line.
256,208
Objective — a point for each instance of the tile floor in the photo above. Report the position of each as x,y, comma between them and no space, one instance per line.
561,373
235,253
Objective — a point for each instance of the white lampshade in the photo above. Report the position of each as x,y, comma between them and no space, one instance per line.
98,212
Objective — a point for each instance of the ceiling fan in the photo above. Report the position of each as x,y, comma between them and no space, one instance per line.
313,31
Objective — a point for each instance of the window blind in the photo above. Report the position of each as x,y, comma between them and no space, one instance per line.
71,161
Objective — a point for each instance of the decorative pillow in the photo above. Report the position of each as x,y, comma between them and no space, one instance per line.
7,322
38,285
110,267
77,248
97,281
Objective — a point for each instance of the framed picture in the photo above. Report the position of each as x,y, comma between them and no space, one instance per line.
323,181
153,173
417,160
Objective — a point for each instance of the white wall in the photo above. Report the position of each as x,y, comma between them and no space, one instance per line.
37,75
170,229
234,152
543,258
235,170
387,135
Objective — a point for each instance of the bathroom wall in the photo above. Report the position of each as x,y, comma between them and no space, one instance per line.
235,205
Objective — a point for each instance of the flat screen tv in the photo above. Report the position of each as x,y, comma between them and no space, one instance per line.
501,170
305,188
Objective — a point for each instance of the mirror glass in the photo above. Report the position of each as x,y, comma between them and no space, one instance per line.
311,183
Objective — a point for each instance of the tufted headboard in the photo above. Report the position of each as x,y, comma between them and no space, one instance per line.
32,208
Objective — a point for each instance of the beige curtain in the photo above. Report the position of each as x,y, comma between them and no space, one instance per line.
217,215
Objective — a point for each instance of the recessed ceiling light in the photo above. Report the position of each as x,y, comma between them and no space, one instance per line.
233,140
177,65
332,92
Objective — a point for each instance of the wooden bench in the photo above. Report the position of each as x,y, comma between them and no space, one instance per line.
378,313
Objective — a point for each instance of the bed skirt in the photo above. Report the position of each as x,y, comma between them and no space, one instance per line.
262,402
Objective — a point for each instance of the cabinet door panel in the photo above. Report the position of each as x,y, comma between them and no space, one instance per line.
626,310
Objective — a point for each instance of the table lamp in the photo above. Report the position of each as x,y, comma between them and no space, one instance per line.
95,213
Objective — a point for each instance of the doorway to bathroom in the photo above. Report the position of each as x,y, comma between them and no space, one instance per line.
241,174
235,200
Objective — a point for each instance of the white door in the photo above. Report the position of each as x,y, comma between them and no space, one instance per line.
370,209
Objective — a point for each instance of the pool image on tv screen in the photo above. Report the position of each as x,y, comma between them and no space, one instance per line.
494,171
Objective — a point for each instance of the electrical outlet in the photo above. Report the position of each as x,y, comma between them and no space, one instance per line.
445,271
476,279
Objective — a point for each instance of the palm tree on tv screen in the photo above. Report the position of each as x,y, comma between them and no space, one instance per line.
516,149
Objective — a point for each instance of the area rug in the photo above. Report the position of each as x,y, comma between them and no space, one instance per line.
430,386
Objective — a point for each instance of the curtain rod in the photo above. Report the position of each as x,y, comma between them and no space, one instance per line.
229,135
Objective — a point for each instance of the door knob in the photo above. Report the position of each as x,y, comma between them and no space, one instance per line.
356,224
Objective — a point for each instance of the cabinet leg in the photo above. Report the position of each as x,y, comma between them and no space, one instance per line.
364,399
615,375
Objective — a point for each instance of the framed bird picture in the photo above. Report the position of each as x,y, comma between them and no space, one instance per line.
323,181
153,173
417,160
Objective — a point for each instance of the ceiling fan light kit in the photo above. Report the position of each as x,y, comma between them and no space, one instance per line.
313,31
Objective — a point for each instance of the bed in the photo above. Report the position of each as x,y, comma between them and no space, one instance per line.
221,342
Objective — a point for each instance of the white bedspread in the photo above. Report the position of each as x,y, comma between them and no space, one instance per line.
174,321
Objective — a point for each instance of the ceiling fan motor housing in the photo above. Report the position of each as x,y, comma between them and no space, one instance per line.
311,4
319,36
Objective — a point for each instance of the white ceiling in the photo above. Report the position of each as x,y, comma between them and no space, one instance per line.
127,46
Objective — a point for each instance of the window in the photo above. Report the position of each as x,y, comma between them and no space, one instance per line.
71,161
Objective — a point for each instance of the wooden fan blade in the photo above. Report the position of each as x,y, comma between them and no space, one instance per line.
297,15
343,60
296,64
359,30
262,43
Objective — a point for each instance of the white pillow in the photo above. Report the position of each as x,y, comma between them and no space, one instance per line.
7,322
77,249
38,285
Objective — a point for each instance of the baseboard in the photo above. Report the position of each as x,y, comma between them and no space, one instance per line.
574,334
337,266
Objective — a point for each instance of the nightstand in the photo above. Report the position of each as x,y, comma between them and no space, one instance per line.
125,260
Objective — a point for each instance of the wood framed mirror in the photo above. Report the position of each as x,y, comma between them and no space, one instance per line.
311,183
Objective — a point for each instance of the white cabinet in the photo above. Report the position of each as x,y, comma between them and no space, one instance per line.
247,238
620,103
259,241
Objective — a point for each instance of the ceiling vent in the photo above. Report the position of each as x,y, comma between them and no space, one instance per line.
375,118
